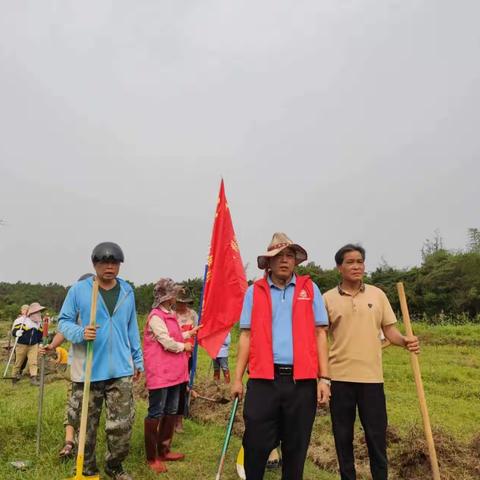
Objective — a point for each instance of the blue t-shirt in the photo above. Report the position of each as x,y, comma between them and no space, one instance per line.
282,304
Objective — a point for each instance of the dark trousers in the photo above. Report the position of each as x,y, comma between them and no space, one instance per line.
164,401
278,411
370,400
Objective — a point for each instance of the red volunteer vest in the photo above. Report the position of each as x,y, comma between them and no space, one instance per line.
305,355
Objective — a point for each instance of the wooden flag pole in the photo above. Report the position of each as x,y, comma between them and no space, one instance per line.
418,382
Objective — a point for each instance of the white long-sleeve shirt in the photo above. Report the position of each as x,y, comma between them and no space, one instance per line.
160,332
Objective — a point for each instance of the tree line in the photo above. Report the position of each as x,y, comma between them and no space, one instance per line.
445,288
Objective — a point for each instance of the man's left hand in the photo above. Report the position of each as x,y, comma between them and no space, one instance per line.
412,344
136,375
323,393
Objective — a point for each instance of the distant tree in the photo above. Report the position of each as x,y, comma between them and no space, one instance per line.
325,279
473,240
449,282
13,295
386,278
432,245
144,298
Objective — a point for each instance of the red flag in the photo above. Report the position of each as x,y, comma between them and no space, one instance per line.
225,284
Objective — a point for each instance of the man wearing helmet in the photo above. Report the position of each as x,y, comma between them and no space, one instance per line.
117,357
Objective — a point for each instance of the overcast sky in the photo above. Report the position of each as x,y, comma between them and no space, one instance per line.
334,121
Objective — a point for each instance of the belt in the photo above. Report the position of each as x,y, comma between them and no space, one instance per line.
286,370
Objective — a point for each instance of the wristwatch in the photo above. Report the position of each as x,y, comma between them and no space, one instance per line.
326,380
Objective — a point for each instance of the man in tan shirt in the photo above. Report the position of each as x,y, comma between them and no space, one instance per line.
358,313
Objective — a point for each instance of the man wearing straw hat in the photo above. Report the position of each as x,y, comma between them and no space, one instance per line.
358,313
117,357
28,329
284,342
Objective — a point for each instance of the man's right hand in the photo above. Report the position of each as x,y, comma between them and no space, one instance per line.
89,333
237,389
45,350
188,347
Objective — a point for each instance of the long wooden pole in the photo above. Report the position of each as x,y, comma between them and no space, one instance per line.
418,382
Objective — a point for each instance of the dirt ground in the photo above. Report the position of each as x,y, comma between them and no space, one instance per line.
408,453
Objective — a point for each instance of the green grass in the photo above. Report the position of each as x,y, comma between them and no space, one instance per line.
450,367
202,444
451,377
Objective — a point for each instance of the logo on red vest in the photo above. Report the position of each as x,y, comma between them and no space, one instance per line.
303,295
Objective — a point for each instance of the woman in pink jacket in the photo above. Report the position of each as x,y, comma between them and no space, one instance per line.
166,369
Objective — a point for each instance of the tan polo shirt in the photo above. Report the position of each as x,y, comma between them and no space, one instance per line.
355,322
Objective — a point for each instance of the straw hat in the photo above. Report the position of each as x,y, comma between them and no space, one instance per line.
165,289
34,307
279,242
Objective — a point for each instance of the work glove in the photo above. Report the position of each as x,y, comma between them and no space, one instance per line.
19,333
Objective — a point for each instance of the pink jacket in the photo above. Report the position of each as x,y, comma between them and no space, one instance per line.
163,368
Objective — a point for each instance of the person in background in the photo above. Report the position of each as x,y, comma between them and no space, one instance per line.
221,361
188,319
166,370
29,332
53,348
20,319
63,357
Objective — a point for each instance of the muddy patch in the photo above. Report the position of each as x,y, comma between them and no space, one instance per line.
408,452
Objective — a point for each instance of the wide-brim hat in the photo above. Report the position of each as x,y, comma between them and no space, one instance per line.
34,307
184,297
165,289
279,242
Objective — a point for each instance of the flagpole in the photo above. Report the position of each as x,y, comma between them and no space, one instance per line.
193,370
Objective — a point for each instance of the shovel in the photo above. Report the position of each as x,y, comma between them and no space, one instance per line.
228,434
42,383
86,396
221,400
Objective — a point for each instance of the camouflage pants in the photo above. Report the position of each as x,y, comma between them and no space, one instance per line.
68,405
120,414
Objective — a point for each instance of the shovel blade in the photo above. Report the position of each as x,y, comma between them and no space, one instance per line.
79,476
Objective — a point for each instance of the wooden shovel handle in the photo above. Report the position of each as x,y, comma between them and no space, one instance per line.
418,382
86,385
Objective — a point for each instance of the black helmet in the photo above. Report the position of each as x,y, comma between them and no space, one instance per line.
107,251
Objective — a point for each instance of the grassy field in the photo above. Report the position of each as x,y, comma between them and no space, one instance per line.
451,371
